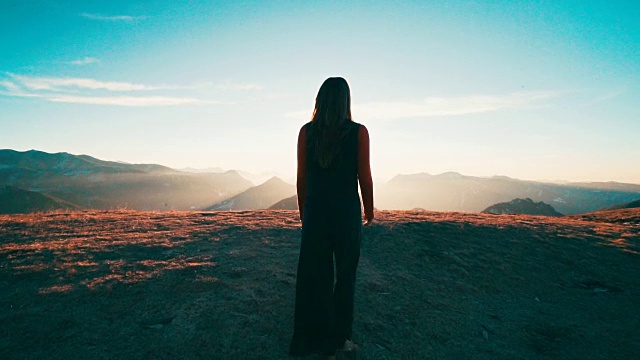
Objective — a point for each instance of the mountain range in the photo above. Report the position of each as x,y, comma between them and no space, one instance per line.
456,192
88,182
84,182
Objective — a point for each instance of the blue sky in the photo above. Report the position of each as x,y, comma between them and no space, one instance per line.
539,90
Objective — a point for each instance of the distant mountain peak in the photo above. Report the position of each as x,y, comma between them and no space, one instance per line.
502,177
236,175
274,180
450,175
232,172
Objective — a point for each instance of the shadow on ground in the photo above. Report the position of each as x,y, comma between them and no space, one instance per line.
220,285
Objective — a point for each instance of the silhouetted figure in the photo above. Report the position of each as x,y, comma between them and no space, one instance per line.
333,156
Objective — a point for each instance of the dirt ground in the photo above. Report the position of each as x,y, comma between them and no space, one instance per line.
220,285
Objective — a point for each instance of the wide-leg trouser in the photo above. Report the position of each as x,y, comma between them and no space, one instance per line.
324,306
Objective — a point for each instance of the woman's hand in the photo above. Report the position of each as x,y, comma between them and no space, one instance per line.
368,219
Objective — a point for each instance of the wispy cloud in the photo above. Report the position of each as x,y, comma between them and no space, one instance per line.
100,17
13,90
84,61
135,101
58,84
91,91
9,85
444,106
132,101
451,106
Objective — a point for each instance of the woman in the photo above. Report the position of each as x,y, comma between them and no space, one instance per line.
333,156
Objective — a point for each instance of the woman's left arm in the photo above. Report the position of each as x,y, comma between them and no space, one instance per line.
301,182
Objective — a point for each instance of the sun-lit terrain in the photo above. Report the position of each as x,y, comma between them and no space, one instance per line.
196,285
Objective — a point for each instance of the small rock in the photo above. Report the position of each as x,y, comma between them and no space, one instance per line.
156,323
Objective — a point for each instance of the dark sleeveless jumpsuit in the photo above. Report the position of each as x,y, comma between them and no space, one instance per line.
331,227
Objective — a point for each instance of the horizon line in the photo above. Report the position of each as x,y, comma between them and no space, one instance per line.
283,175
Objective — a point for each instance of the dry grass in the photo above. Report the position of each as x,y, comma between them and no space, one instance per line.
220,285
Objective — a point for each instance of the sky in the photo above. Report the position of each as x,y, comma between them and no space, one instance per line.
538,90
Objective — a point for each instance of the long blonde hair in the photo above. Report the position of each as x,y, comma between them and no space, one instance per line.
331,114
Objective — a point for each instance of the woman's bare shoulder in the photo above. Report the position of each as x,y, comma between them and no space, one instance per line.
362,130
303,128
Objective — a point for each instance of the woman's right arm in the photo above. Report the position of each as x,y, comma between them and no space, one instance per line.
364,174
301,181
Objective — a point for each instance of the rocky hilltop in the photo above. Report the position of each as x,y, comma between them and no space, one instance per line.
522,207
290,203
14,200
629,205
